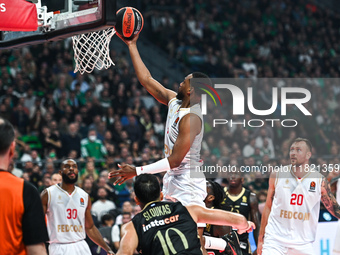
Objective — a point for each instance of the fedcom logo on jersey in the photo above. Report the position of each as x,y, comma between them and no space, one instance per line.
82,201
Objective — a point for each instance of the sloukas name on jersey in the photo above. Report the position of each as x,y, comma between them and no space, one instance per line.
166,228
158,211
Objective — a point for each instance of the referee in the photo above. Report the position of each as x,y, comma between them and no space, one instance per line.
22,226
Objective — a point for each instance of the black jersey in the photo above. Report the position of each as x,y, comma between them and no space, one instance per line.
239,204
166,228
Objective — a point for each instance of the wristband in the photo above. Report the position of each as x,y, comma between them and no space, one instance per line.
154,168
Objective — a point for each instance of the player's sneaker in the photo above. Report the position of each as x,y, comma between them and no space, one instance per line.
233,244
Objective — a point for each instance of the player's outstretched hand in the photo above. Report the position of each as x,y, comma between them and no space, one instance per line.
124,173
251,227
259,247
128,42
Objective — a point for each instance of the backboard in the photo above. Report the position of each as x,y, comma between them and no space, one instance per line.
59,19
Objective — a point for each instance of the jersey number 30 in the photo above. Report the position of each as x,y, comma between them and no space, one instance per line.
296,199
71,214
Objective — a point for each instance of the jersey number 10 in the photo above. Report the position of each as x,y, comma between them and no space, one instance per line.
296,199
166,242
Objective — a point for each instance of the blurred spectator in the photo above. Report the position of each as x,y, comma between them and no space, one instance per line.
133,129
33,157
80,81
46,182
89,170
50,140
92,147
20,119
87,185
36,123
107,222
56,178
49,168
103,183
16,171
116,229
249,149
159,127
102,205
126,208
71,140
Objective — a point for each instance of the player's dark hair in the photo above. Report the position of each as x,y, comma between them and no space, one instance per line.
217,192
147,188
7,135
197,81
106,217
299,139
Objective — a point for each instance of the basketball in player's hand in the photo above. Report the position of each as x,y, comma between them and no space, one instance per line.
129,22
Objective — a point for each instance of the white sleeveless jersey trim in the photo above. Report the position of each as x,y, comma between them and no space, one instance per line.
66,214
338,191
175,115
295,209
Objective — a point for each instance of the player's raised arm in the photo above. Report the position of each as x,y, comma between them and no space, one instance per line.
157,90
266,211
220,217
329,200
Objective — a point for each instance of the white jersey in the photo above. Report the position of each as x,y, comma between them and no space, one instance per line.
338,191
336,248
295,209
175,114
66,214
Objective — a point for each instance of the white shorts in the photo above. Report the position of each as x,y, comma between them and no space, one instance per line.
336,248
272,247
77,248
185,189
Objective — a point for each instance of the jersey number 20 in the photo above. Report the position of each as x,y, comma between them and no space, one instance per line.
296,199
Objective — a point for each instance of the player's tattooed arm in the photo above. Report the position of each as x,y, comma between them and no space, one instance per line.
329,200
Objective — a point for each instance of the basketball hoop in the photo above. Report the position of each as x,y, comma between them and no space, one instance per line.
91,50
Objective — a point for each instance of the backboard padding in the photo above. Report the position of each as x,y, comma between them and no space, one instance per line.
71,21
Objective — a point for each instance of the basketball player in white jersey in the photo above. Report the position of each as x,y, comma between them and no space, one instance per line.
183,138
290,217
336,248
69,219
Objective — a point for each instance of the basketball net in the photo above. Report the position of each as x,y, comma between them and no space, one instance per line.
92,50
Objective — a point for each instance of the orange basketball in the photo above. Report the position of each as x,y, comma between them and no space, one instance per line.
129,22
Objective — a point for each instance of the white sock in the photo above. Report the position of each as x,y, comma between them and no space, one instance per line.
214,243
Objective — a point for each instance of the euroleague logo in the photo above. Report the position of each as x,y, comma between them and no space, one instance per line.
2,7
312,186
